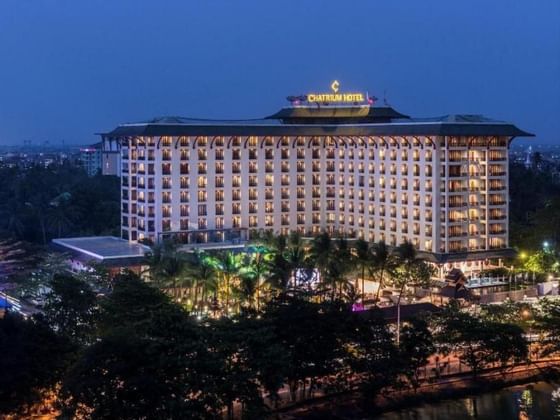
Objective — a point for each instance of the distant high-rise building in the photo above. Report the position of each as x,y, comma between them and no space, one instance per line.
90,159
330,162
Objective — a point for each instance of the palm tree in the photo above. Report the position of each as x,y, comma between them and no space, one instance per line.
363,259
203,274
411,270
167,266
229,265
382,263
321,253
257,269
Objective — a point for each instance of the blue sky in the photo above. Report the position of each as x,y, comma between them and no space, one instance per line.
69,69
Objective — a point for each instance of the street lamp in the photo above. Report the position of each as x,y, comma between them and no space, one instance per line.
526,314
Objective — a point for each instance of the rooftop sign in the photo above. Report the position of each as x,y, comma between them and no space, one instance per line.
332,97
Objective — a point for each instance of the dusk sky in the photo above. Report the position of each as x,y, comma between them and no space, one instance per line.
69,69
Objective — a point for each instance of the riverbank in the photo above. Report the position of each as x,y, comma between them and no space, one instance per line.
351,406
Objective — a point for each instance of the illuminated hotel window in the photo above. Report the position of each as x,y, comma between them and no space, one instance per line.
269,167
301,205
166,141
268,154
184,197
301,180
285,206
253,167
252,207
252,194
236,167
269,207
285,153
330,218
184,154
202,196
252,153
184,168
201,182
268,194
219,209
269,180
184,182
236,222
166,197
301,153
219,222
202,209
315,154
252,181
202,154
300,192
285,180
269,220
301,219
285,167
219,154
252,221
285,193
219,168
184,210
236,181
236,154
236,208
202,223
236,195
301,166
219,182
316,218
166,211
285,220
166,155
166,182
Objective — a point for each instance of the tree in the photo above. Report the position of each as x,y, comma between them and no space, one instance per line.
416,346
150,361
547,321
309,335
203,274
33,362
410,271
363,260
478,342
373,355
383,263
71,308
229,265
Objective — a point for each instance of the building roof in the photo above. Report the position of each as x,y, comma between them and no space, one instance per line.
331,121
105,249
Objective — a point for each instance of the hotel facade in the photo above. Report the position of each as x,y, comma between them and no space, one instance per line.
335,164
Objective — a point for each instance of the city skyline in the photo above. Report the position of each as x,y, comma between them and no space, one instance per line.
134,61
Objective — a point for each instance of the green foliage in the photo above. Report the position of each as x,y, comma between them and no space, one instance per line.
41,203
478,342
70,308
150,361
547,321
33,361
534,204
416,345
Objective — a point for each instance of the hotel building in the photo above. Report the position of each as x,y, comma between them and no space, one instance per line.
327,162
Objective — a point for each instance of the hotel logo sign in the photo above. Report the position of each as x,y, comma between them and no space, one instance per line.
335,96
